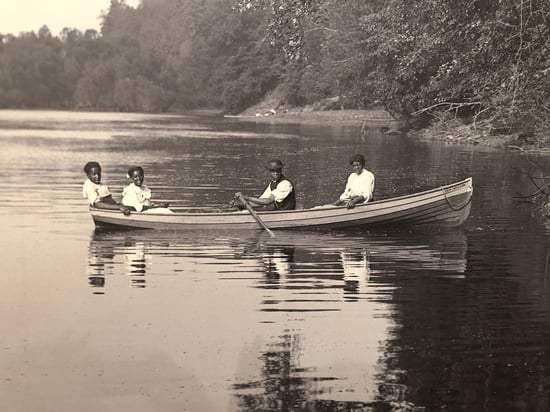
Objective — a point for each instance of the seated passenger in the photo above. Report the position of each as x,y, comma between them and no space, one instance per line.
137,195
360,184
98,194
279,193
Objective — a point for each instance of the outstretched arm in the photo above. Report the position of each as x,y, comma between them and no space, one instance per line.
257,201
112,206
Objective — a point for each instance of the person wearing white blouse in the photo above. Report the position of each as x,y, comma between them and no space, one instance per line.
137,195
360,184
97,193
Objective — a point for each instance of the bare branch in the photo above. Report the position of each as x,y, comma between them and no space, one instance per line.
541,189
520,196
451,106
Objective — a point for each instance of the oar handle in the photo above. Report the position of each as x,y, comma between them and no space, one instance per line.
255,215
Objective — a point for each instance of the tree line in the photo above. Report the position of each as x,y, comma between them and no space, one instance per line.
483,61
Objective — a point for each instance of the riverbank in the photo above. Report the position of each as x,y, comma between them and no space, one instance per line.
309,115
452,132
483,133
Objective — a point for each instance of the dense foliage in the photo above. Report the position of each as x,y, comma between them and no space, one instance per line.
163,55
486,61
478,60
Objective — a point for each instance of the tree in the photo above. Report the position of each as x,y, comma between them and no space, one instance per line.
406,55
31,71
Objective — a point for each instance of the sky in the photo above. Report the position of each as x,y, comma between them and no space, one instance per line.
29,15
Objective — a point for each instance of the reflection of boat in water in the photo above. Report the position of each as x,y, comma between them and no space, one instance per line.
333,297
302,314
107,253
298,257
278,262
356,268
136,261
444,250
447,205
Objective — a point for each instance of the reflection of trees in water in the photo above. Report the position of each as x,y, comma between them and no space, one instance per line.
320,265
106,254
281,391
467,355
284,385
282,388
474,343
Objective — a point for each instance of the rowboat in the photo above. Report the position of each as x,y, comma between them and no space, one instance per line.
447,205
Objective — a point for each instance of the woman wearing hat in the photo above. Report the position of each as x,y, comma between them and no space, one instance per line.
279,193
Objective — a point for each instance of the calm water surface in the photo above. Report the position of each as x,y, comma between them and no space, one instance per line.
393,320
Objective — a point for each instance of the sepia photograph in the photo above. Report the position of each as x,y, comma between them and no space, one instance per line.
275,205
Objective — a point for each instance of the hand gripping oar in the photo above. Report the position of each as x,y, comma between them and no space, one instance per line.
255,216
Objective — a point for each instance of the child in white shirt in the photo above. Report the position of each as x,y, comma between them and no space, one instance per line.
137,195
98,194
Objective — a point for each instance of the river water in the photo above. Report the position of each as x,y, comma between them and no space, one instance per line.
396,319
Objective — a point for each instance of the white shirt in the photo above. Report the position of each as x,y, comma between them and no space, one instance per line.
280,193
359,185
94,192
136,196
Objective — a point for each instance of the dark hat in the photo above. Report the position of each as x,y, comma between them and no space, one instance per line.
275,165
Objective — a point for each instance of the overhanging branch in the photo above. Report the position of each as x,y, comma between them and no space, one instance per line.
450,106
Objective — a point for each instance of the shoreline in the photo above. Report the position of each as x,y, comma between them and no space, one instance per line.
343,117
381,118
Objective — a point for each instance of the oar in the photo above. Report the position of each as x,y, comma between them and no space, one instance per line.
255,216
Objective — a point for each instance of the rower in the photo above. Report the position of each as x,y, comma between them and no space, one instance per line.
279,193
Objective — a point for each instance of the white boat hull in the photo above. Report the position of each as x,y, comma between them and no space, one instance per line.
447,205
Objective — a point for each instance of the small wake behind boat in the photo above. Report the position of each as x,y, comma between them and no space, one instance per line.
446,205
